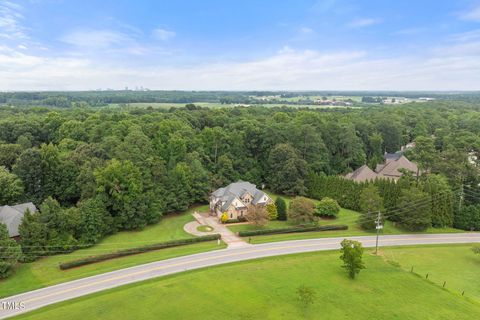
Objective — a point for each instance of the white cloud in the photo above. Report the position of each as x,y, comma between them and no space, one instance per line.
409,31
96,38
451,67
163,34
306,30
467,36
11,27
363,22
471,15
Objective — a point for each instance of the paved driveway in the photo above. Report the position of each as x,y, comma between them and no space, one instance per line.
230,238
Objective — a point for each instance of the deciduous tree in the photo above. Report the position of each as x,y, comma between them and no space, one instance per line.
327,208
352,252
301,210
370,203
257,215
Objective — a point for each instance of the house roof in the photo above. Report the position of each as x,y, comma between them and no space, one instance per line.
391,168
12,216
364,173
236,190
392,156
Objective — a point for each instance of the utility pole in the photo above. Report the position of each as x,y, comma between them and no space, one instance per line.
378,226
460,200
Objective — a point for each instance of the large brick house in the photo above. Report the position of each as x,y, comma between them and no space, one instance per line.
236,198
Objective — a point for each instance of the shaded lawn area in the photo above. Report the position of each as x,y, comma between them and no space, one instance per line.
266,289
345,216
45,271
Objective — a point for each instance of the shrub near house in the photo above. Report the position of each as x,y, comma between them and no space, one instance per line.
327,208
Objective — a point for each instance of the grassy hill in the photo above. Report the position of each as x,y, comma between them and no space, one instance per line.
266,289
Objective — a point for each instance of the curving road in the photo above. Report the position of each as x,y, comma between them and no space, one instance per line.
32,300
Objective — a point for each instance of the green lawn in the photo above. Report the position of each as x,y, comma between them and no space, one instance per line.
266,289
455,264
203,228
45,271
345,216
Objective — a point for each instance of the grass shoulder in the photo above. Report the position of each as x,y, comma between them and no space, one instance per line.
45,271
265,288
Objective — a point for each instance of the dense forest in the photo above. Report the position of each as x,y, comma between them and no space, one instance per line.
94,171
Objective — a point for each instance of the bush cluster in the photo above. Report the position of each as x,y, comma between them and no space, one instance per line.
249,233
131,251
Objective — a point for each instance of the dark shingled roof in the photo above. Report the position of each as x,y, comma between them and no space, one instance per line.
12,216
364,173
237,190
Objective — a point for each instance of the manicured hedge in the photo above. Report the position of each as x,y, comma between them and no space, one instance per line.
131,251
239,219
291,230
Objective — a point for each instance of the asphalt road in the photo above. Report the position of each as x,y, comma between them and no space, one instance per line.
32,300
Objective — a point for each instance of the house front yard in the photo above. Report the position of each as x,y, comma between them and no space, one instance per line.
45,272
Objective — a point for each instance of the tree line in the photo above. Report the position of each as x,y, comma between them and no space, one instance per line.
97,171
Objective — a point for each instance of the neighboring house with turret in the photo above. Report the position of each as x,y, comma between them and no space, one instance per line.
236,198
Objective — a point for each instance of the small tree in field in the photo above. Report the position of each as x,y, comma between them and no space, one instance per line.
257,215
352,252
301,210
272,211
476,249
327,208
281,209
305,296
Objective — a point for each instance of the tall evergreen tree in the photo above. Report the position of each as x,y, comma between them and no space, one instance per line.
281,208
10,252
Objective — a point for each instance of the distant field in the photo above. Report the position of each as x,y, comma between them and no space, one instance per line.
266,289
215,105
45,271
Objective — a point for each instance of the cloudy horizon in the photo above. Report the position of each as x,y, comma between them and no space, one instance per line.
301,45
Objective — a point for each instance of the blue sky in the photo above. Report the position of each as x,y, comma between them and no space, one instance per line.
240,45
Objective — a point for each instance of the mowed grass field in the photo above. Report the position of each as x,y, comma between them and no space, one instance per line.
345,217
266,289
213,105
45,271
455,264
